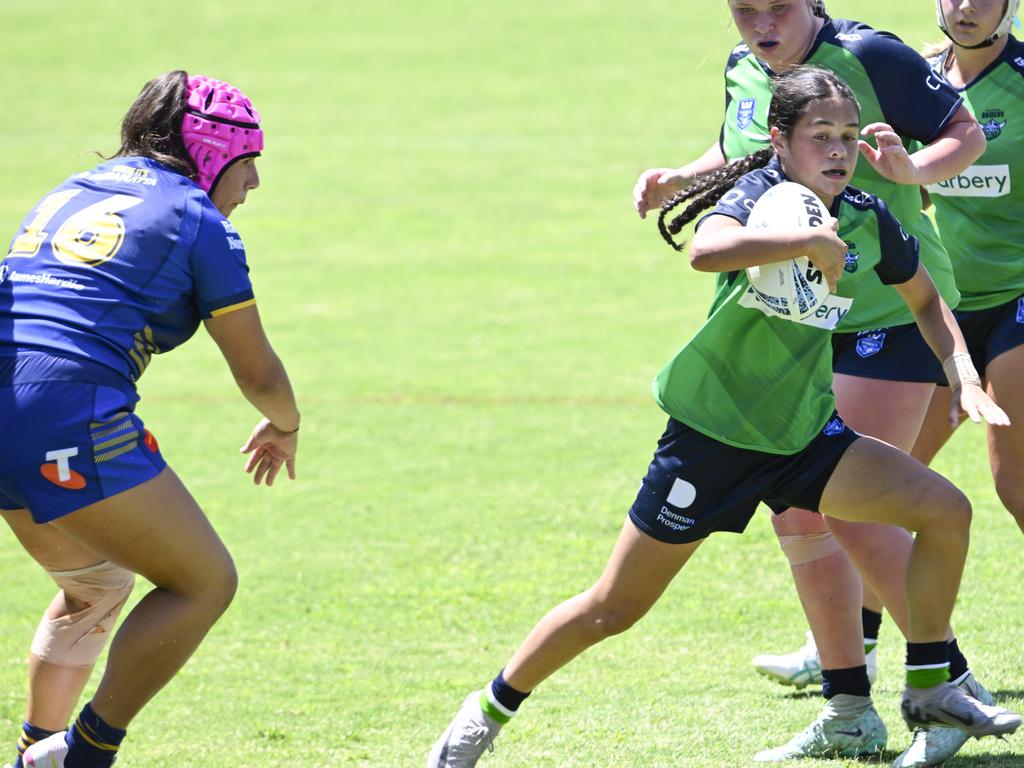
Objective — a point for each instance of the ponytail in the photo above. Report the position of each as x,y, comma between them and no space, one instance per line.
705,192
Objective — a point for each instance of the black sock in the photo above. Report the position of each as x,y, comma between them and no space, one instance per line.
872,623
958,666
505,694
852,681
92,741
30,734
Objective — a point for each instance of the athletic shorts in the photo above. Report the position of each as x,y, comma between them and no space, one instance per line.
697,485
990,332
68,443
898,353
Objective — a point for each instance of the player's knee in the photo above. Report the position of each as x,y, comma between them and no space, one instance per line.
807,547
1011,494
220,588
958,511
607,619
95,597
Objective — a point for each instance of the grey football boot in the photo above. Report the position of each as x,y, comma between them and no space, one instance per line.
950,705
469,735
833,735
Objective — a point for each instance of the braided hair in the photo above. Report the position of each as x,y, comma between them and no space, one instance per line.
794,91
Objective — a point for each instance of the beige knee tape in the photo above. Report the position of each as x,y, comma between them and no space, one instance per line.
808,547
76,640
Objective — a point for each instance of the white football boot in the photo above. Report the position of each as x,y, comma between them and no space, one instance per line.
832,735
802,667
948,704
932,746
469,735
46,753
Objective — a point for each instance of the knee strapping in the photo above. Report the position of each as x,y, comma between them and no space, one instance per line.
808,547
77,639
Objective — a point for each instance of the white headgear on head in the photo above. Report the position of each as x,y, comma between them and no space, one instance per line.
1002,28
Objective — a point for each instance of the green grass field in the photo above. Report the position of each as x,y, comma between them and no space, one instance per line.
447,260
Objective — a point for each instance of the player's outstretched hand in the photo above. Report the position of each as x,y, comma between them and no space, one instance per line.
655,187
891,158
270,449
973,401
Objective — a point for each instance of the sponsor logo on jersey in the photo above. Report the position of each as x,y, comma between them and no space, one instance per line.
976,181
992,123
745,113
149,441
4,269
849,37
58,469
870,343
235,244
123,174
834,427
1020,311
42,279
228,227
852,258
827,316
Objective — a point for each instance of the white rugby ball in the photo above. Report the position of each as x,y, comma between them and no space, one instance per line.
795,288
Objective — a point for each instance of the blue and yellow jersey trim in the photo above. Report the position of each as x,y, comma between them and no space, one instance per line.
233,307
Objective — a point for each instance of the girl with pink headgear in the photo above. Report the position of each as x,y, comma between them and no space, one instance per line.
117,264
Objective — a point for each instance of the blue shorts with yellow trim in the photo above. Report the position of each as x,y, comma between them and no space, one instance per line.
697,485
68,443
990,332
897,353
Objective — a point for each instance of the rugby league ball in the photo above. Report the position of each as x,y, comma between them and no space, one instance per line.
792,289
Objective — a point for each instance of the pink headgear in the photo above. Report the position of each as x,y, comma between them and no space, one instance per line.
220,126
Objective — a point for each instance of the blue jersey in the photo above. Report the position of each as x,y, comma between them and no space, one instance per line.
118,264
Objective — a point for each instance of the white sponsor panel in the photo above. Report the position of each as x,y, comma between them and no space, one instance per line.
827,315
976,181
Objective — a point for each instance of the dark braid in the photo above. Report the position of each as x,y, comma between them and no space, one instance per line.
793,93
706,191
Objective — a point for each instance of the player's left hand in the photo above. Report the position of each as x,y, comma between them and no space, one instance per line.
270,449
891,158
972,400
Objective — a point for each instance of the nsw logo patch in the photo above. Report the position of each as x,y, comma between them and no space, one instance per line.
745,113
870,343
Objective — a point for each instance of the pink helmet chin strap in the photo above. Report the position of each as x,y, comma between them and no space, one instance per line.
220,126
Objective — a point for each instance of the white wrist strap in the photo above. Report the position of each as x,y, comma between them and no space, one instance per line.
960,370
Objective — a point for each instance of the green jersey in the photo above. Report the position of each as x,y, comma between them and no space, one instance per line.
893,85
751,379
980,211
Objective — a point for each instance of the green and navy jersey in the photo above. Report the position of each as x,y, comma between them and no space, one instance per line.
980,211
893,84
754,380
117,264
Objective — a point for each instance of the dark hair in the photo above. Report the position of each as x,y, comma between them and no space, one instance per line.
152,126
794,91
818,8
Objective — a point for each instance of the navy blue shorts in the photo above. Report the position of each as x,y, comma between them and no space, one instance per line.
696,485
68,444
898,353
990,332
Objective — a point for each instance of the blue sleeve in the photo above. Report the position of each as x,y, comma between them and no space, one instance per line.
218,266
739,201
899,250
915,101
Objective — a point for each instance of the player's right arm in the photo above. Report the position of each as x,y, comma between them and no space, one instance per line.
723,244
657,185
263,381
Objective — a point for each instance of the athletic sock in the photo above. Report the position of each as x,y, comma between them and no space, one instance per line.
92,742
852,681
927,664
500,701
872,622
958,667
30,734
